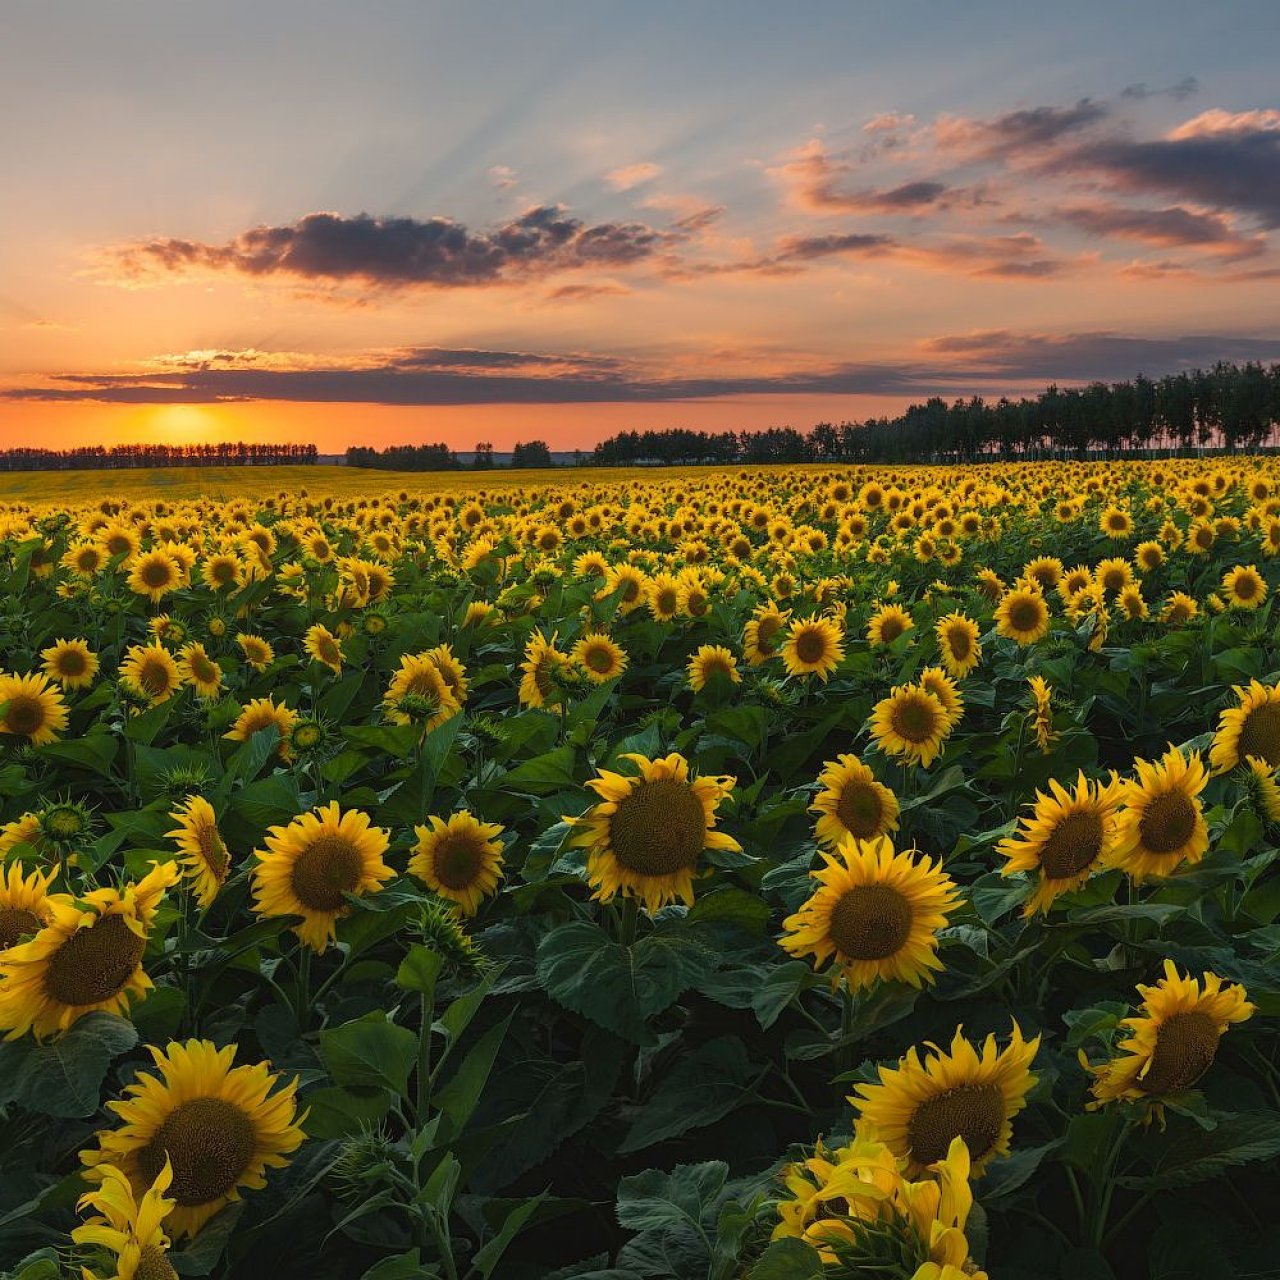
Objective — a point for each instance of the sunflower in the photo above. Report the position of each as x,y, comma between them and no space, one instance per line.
1251,729
1173,1039
154,574
629,582
418,691
958,644
24,904
541,657
1070,835
1162,823
224,569
876,915
71,663
852,803
887,624
324,647
1180,608
151,672
1243,587
200,671
912,723
919,1108
452,672
1023,615
262,713
1264,790
128,1227
761,637
813,647
459,858
938,683
601,657
712,662
219,1128
257,652
202,851
87,957
1040,714
309,866
32,707
662,595
646,834
24,829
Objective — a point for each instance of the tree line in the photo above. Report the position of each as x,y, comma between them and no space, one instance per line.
439,457
116,457
1227,407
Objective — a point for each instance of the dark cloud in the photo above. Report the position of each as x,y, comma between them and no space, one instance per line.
1028,130
1223,168
1183,89
958,364
1170,226
396,252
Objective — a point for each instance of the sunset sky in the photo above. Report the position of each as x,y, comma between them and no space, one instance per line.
386,222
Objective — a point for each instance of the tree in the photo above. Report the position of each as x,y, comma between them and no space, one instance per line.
536,453
484,456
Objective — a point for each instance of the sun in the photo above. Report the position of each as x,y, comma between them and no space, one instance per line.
181,423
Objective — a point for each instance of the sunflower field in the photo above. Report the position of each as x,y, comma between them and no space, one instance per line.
770,874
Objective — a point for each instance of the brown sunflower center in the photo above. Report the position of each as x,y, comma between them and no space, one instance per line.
210,1143
16,922
667,601
1185,1046
1260,734
811,645
974,1112
328,649
94,963
71,663
914,719
153,1265
542,674
155,573
860,810
870,922
659,828
205,671
212,850
153,676
1024,615
599,658
961,644
1073,845
1168,822
769,627
891,628
457,861
25,714
326,869
1246,587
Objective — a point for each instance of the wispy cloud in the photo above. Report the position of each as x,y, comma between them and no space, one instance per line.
632,175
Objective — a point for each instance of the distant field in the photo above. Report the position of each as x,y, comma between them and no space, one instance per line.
228,482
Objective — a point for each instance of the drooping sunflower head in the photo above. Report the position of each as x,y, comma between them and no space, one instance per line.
958,644
541,657
459,858
206,861
1173,1039
32,707
813,647
910,723
1162,824
127,1226
87,957
1071,834
600,656
71,663
419,693
309,866
1023,615
921,1106
875,916
1250,729
646,835
711,663
1179,608
219,1127
852,803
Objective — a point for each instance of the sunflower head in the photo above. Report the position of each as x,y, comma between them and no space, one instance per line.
1249,730
910,723
1023,615
851,803
1162,823
458,858
813,647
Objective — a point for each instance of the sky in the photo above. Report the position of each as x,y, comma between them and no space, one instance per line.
396,222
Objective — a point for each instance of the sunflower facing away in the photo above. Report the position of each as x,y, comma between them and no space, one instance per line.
1162,823
1250,729
813,647
32,707
310,865
1172,1040
459,858
876,915
88,957
958,644
646,834
912,723
919,1108
24,904
1071,834
852,803
130,1228
220,1128
203,854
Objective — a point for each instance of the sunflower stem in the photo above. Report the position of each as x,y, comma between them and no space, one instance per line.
630,917
424,1055
302,1005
